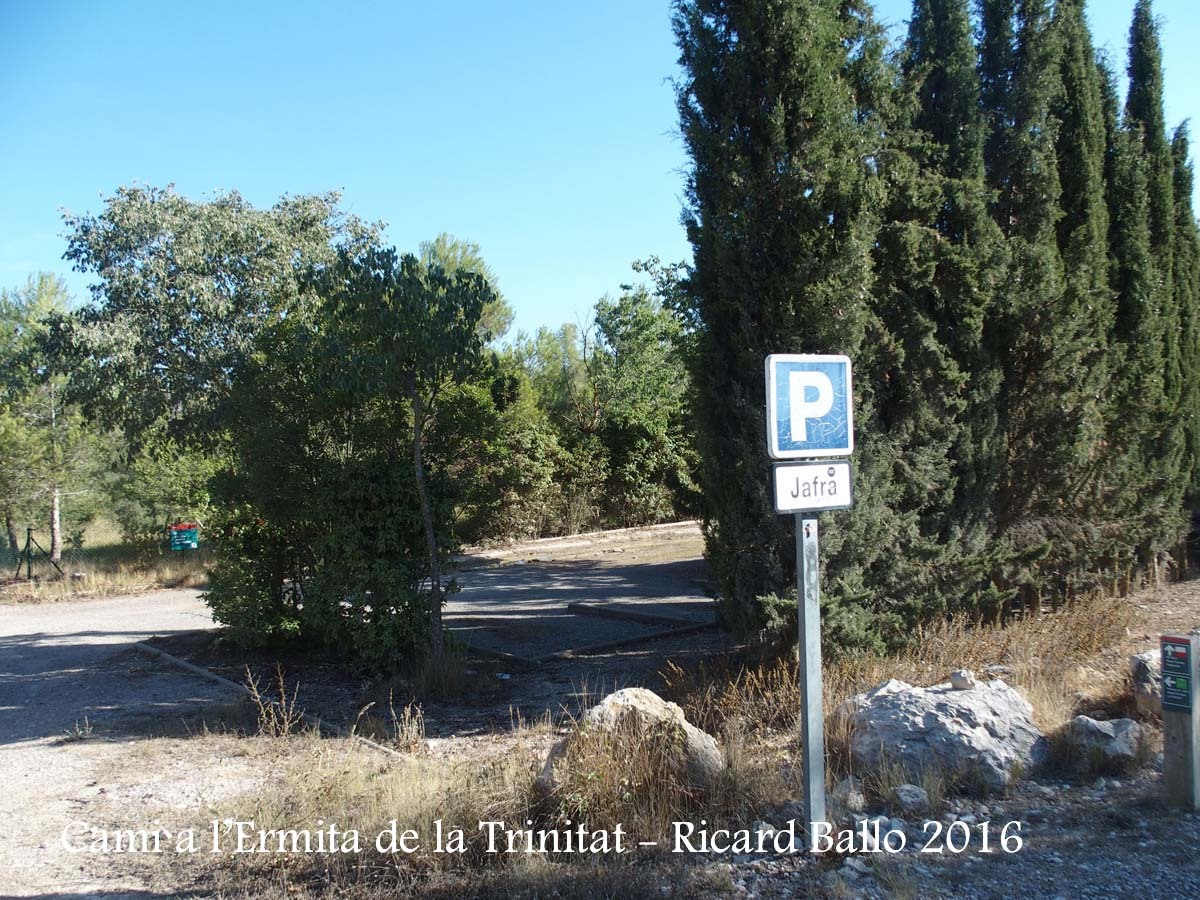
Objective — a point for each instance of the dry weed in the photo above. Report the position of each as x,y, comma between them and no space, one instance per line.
278,716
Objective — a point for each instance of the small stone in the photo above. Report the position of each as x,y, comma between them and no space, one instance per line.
1116,741
985,812
849,792
856,865
967,820
898,825
962,680
911,800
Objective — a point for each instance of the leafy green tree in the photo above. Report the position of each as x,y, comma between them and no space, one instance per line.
183,289
163,481
641,384
50,454
412,333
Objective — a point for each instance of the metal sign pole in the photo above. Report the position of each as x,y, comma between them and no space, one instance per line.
812,717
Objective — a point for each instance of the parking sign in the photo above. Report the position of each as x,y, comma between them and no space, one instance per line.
809,406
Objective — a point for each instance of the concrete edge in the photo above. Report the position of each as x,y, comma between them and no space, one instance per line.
313,721
613,611
623,642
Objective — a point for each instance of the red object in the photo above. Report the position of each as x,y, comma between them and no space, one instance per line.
182,526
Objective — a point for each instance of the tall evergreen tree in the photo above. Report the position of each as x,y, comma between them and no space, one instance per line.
939,261
775,111
1163,433
1186,289
1135,483
1086,311
1036,333
1144,109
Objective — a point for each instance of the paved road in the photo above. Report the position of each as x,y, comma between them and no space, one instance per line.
53,661
526,610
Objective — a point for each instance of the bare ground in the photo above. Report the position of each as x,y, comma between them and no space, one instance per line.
152,749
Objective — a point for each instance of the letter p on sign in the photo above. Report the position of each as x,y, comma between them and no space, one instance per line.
804,385
809,406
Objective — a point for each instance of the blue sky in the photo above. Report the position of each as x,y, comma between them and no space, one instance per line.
545,132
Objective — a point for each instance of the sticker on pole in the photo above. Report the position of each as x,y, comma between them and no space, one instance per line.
809,406
813,486
1176,672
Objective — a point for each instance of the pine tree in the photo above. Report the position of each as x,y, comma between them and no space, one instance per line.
775,112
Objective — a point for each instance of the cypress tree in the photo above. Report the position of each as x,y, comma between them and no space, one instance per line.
1164,431
1137,408
1035,333
1144,110
997,67
1086,311
774,107
1186,288
940,258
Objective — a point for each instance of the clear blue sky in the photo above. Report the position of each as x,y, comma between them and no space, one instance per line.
543,131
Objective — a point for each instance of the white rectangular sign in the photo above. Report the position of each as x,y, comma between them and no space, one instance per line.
809,406
813,486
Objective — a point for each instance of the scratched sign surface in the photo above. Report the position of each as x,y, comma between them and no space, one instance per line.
809,406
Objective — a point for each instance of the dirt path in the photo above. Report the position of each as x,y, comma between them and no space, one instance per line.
72,696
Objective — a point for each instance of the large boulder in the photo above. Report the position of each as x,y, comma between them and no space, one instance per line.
1145,670
638,711
1113,743
982,735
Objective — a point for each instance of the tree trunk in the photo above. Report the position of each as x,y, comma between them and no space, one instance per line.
436,639
55,526
11,527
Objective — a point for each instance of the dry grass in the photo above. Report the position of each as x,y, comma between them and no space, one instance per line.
327,781
1047,656
633,777
105,580
403,729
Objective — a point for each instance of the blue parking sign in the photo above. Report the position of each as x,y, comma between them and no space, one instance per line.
809,406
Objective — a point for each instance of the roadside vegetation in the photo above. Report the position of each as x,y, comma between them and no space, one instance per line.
1063,663
1004,246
